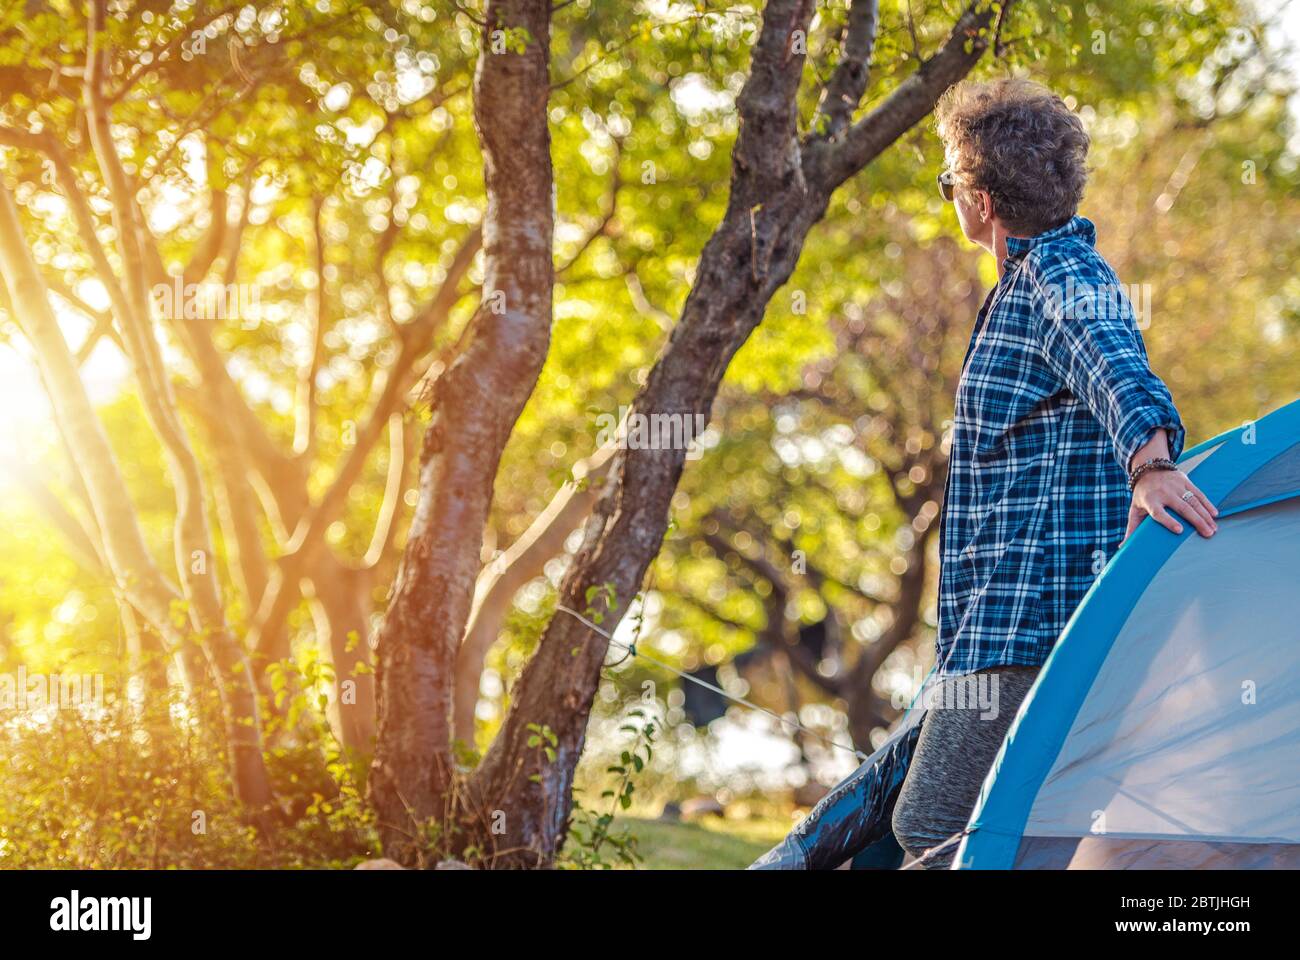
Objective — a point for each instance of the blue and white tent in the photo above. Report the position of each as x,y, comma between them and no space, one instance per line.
1164,729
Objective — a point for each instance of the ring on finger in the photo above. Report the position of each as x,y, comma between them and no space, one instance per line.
1187,496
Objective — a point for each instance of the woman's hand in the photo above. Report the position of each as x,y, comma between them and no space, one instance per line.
1162,495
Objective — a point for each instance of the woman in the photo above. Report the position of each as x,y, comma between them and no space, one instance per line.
1061,434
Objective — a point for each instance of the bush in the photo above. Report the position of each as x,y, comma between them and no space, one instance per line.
135,782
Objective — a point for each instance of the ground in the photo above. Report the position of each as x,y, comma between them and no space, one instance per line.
710,843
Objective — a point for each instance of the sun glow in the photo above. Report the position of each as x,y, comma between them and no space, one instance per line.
24,410
27,427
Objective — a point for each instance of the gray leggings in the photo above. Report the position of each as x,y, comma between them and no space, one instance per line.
960,737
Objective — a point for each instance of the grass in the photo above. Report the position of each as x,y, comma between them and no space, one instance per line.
711,843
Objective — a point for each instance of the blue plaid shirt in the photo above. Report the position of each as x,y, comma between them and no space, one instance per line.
1055,398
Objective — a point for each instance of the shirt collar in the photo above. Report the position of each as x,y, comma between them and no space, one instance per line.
1080,227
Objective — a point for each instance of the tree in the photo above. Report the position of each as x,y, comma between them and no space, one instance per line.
326,157
782,181
210,107
475,404
850,550
136,575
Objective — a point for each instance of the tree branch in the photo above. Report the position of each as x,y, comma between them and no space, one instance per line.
386,522
910,102
211,244
525,559
848,83
611,209
304,440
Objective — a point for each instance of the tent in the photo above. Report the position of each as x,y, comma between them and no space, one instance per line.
1164,729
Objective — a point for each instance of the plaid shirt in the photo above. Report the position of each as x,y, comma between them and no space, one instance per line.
1055,398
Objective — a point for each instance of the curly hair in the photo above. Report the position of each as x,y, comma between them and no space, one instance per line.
1019,142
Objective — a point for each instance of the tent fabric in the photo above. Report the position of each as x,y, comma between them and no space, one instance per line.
1164,729
1118,853
1276,480
1188,721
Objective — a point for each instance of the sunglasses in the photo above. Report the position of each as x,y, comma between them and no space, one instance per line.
947,185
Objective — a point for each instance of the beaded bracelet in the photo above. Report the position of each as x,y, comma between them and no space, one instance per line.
1155,463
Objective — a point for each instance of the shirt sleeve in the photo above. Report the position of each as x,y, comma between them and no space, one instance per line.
1091,343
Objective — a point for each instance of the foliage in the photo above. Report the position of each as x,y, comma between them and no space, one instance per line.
134,784
356,117
591,833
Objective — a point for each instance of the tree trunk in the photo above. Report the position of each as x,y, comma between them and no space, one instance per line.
124,548
340,611
497,585
780,188
751,254
475,405
192,541
868,711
